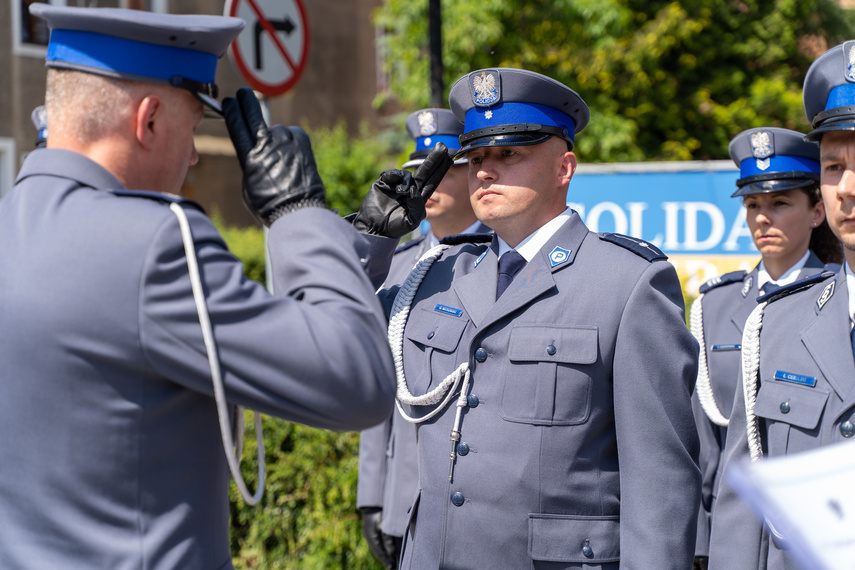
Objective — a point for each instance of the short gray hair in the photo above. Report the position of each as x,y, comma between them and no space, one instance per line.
85,105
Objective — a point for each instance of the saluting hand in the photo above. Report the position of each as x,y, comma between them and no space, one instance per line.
279,171
395,205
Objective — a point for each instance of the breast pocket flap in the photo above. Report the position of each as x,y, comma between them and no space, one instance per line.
788,403
575,539
538,343
436,330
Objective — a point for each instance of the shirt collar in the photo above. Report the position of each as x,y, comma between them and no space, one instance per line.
788,277
529,247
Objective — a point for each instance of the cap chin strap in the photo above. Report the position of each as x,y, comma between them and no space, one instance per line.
233,453
702,384
520,128
443,393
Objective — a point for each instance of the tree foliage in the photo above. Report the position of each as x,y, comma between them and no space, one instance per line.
664,80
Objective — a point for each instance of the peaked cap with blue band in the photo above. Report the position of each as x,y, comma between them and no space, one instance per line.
512,107
773,160
829,91
169,49
430,126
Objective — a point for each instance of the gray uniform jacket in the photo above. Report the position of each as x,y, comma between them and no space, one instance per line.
806,399
112,455
725,307
388,463
578,444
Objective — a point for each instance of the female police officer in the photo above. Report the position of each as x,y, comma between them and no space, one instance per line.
797,383
779,187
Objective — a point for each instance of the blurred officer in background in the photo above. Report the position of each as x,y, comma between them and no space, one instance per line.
112,455
388,464
796,388
779,188
565,353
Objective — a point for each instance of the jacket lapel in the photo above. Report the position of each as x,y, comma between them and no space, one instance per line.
537,277
477,288
827,339
746,304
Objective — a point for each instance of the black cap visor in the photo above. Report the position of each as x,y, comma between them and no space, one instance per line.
845,125
207,93
774,182
513,139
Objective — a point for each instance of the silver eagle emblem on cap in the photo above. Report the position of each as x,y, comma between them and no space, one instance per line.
427,123
486,89
850,65
761,148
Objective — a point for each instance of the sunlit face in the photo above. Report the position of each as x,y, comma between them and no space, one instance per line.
517,189
182,114
837,161
450,196
781,223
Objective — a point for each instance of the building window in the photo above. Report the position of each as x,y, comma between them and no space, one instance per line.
7,165
30,34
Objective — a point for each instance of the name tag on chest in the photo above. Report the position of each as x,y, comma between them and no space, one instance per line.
800,379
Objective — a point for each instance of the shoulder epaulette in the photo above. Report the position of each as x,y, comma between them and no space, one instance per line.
720,280
638,247
159,196
785,290
411,244
466,238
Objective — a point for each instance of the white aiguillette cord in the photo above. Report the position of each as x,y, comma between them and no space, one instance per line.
233,453
750,368
702,385
445,390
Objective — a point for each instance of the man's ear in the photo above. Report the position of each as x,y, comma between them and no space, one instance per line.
149,112
568,167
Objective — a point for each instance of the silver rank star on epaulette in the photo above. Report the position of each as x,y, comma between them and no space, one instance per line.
825,295
746,287
762,148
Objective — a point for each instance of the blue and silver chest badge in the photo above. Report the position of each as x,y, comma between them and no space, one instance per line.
746,287
762,147
850,62
427,123
825,295
558,256
485,88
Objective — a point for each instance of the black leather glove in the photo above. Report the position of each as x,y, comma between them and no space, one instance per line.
395,205
381,545
279,171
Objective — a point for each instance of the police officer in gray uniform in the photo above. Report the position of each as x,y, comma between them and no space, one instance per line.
796,387
112,453
779,186
555,359
388,465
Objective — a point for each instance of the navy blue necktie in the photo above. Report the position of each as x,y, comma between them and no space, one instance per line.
509,265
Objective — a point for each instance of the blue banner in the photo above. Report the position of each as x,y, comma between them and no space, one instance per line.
679,211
